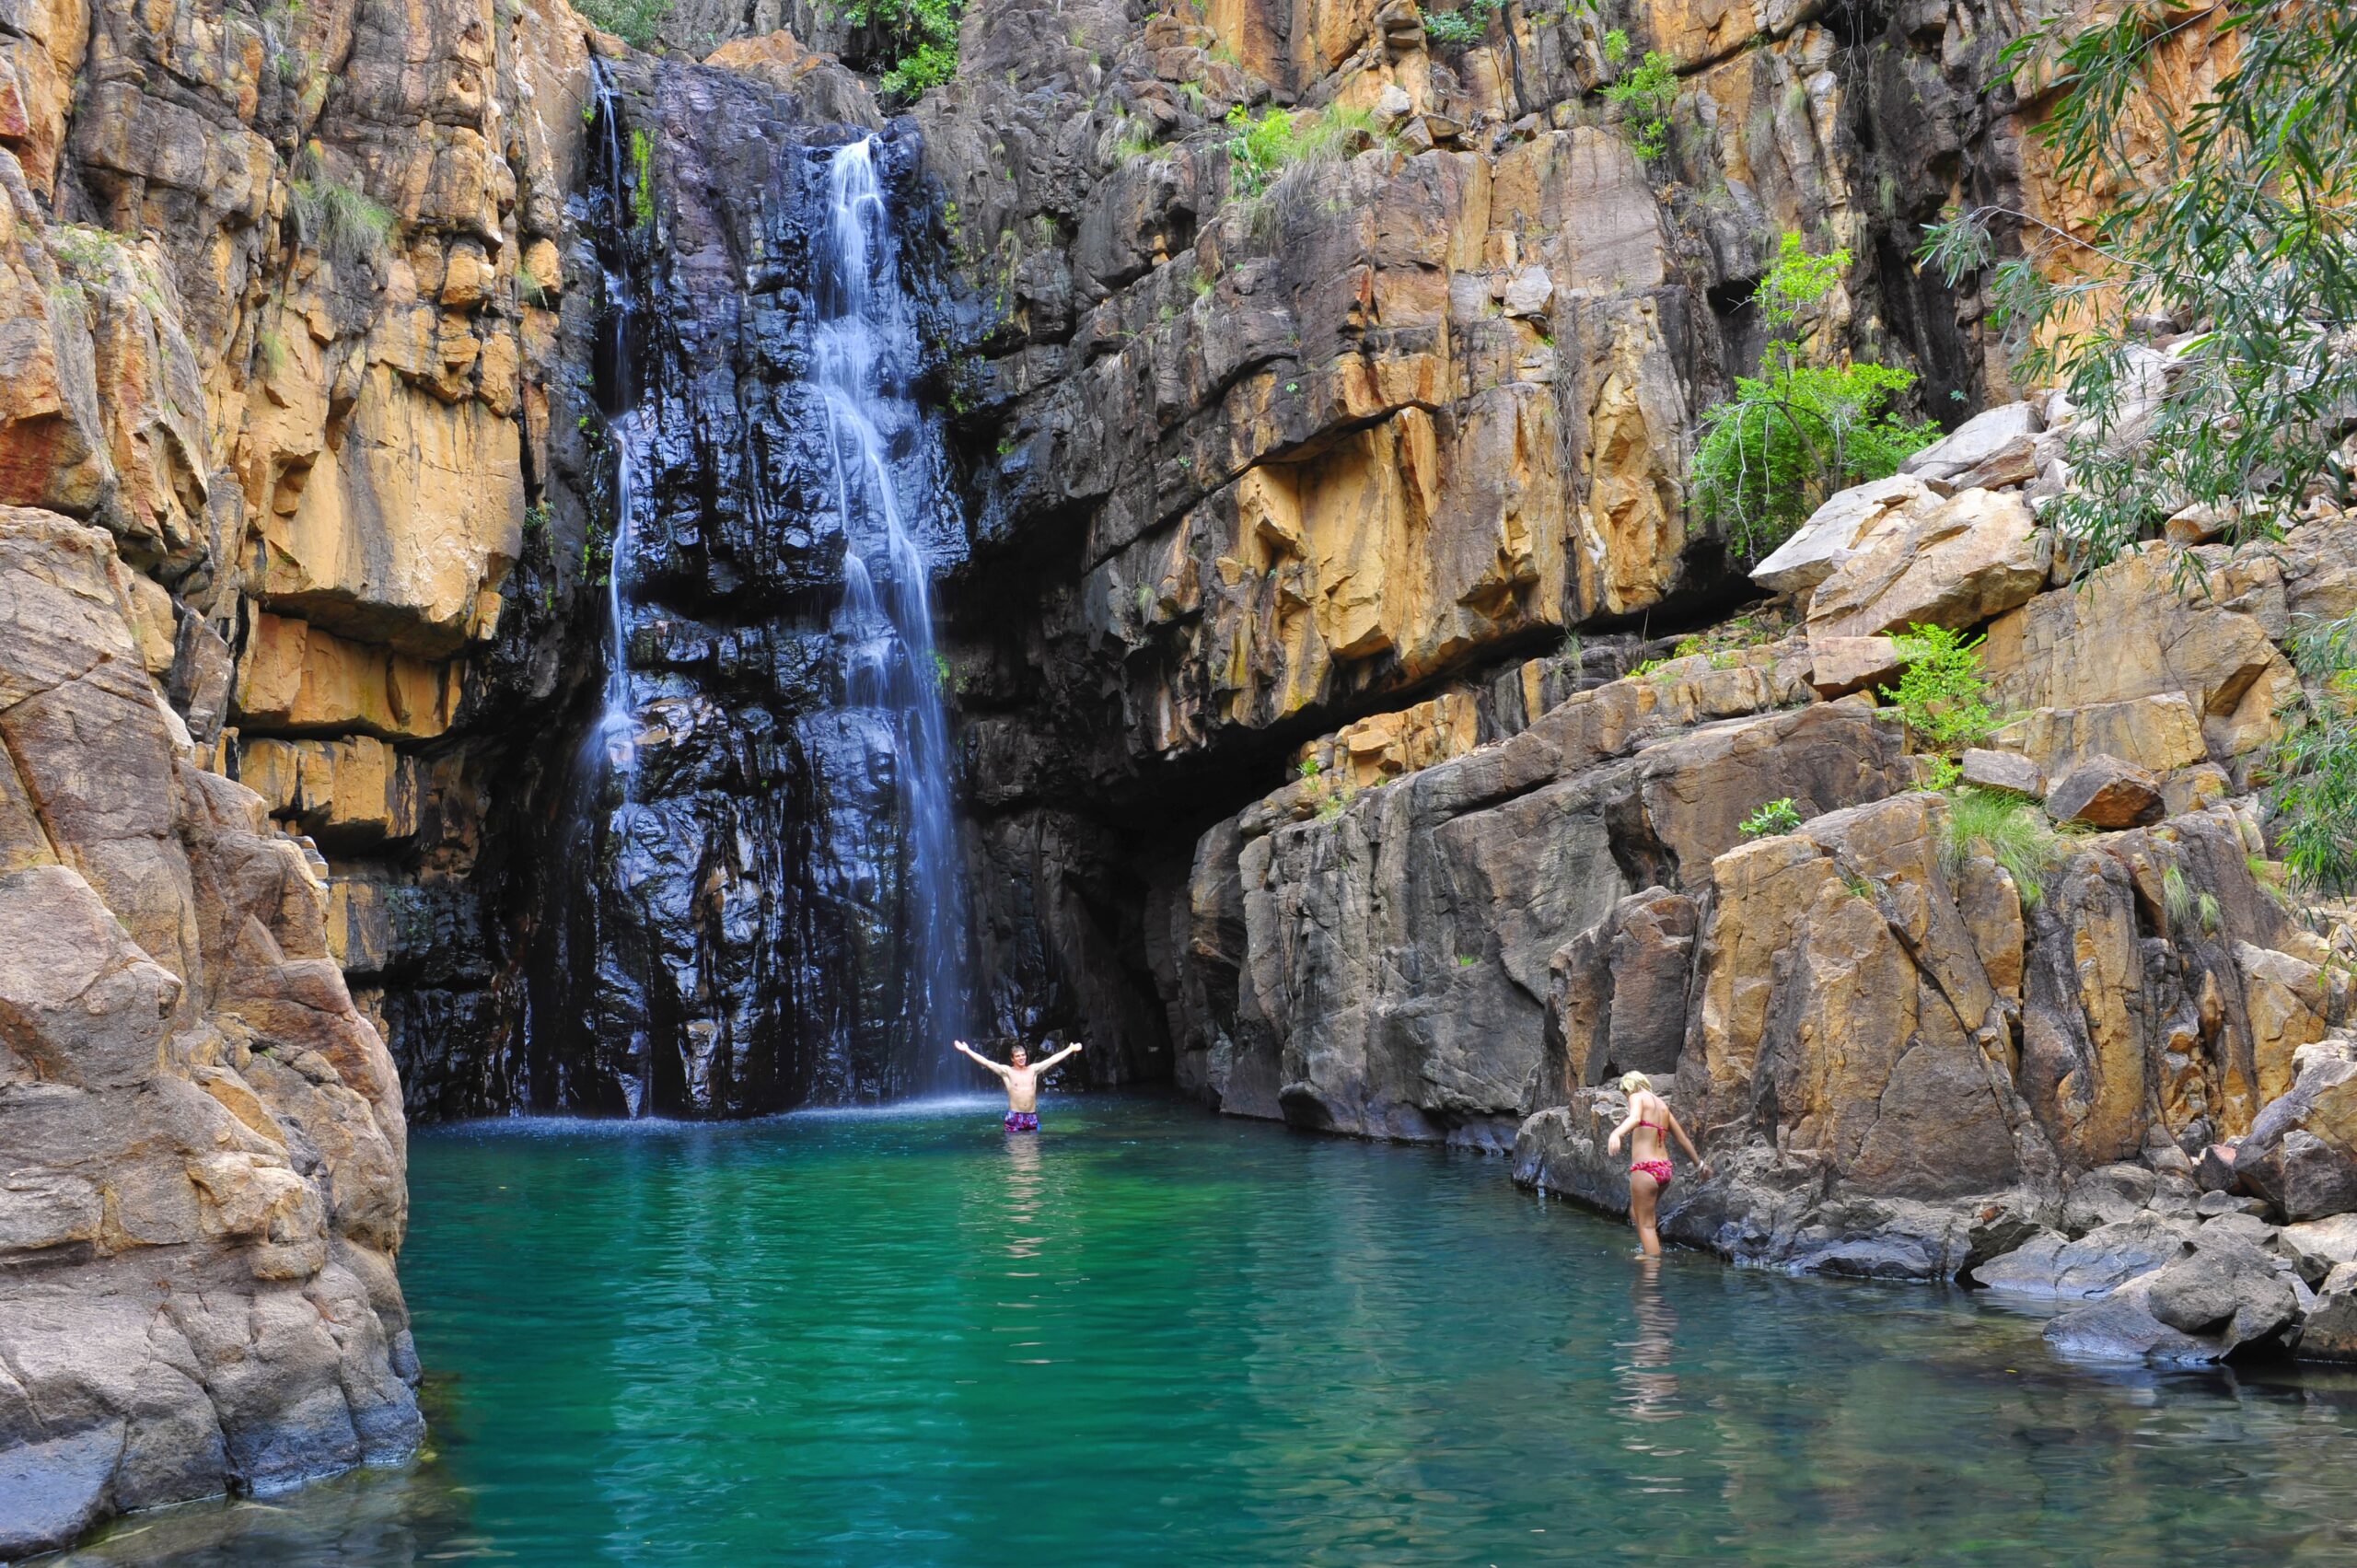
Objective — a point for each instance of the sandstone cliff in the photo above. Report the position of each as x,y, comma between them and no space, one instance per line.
283,322
1250,464
204,1139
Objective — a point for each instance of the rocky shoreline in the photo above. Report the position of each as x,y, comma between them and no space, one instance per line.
2121,1077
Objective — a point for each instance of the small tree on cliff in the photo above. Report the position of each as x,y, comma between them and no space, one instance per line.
1806,427
2234,216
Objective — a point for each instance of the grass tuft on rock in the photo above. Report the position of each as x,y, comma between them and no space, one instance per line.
1279,162
2010,830
339,220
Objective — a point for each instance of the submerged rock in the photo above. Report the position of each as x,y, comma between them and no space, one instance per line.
2124,1329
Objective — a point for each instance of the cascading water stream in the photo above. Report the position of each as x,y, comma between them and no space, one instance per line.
617,726
862,337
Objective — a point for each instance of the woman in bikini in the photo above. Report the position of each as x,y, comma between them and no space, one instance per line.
1649,1122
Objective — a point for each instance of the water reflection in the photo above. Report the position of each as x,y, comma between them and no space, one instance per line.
1648,1386
383,1518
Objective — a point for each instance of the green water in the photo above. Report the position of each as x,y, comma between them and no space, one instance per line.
1152,1336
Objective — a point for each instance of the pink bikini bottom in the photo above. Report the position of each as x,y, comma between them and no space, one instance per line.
1657,1169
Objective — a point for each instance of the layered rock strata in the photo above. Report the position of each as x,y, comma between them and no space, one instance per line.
1252,462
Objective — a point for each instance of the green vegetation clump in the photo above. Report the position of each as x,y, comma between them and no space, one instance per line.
1644,97
1463,28
2187,910
2010,830
917,42
1941,693
642,185
1129,139
927,66
2313,766
340,221
1775,818
1275,148
636,22
1257,148
1802,429
2238,225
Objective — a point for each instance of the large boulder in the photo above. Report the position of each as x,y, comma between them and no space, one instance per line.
1616,1000
2052,1267
1847,523
2160,733
1977,554
1843,1010
2106,792
2330,1330
2318,1247
2005,772
1983,441
2217,1293
2123,1329
2300,1154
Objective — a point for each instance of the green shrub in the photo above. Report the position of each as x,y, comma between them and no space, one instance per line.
1259,148
927,66
1940,773
1280,163
917,42
1942,694
1776,817
635,22
1463,28
2010,830
1644,97
1799,430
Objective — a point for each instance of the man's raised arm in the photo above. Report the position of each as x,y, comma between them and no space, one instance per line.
972,1056
1059,1055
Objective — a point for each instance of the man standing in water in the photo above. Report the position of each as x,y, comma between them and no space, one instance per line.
1022,1081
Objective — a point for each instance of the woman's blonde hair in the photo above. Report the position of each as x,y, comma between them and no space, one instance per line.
1631,1081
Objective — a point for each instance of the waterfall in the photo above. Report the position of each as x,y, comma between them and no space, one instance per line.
753,894
863,339
616,735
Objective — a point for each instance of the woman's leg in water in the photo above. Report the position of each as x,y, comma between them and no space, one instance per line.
1643,1191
